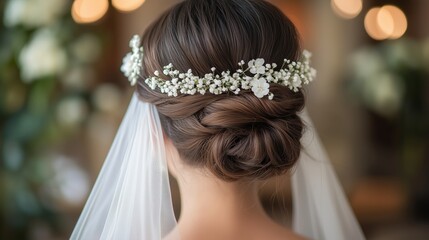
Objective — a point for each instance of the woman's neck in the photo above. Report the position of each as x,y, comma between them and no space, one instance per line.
215,209
219,207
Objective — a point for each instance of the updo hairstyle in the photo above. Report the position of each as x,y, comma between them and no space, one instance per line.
237,137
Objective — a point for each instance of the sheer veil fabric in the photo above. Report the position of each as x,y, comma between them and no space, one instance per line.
321,210
131,198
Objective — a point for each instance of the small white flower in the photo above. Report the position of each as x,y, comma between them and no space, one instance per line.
245,85
306,54
296,82
132,62
257,66
260,87
127,64
135,42
129,68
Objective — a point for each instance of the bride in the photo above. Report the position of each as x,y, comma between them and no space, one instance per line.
219,104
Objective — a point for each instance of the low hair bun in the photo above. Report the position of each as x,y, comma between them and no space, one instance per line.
254,138
238,136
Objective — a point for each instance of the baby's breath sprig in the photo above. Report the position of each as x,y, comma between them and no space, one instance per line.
292,74
132,62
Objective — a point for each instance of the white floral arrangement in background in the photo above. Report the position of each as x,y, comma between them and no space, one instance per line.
33,13
42,56
384,77
47,83
292,74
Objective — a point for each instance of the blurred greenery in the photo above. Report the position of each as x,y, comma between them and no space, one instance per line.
391,81
30,127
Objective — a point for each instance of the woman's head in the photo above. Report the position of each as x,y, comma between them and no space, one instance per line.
237,137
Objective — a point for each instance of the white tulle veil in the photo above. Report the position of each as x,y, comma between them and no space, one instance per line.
321,210
131,198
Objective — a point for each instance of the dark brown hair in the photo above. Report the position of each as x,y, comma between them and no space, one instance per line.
239,136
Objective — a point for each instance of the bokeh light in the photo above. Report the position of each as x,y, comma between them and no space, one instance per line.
88,11
371,25
399,21
387,22
347,8
127,5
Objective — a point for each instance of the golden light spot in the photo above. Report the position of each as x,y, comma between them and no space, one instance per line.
88,11
347,8
399,21
385,21
372,26
127,5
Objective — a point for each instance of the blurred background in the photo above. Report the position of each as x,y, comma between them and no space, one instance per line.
62,97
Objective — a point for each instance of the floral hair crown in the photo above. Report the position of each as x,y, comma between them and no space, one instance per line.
292,74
